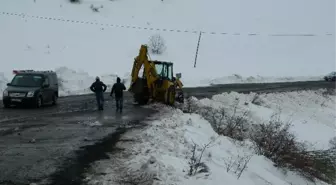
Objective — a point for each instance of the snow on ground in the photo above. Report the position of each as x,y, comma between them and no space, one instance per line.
77,82
105,42
259,79
164,148
3,84
308,111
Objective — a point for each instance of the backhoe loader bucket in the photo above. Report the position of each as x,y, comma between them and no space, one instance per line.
140,91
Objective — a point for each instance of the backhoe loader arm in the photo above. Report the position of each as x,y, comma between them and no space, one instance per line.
149,68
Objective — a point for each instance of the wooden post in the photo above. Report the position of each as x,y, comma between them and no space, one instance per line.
198,43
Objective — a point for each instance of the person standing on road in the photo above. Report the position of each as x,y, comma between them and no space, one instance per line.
98,87
118,89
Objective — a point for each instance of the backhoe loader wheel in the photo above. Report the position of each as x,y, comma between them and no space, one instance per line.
180,97
170,96
141,98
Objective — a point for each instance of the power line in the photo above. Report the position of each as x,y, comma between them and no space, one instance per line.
159,29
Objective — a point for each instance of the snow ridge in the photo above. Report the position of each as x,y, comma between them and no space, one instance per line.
77,82
235,78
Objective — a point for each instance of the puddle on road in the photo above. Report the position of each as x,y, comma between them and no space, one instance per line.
116,117
92,123
98,120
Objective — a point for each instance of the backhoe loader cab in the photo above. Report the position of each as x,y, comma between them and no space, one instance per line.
164,69
157,82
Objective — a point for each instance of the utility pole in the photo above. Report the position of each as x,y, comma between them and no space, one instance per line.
198,43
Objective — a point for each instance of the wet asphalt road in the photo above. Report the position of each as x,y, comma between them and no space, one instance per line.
58,142
36,143
206,92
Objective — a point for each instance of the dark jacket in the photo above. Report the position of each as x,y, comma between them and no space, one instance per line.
118,89
98,86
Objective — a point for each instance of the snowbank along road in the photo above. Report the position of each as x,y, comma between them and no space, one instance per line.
56,144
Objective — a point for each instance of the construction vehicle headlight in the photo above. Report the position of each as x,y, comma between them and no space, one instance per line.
30,94
5,93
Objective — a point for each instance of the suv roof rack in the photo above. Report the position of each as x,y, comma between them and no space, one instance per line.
31,71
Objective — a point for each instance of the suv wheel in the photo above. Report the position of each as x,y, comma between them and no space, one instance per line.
39,102
54,99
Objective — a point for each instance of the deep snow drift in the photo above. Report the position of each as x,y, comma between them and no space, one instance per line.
53,33
164,148
75,82
308,111
3,83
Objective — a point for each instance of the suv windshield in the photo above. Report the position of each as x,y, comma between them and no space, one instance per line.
27,80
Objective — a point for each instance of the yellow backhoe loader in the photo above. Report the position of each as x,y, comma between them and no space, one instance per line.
157,83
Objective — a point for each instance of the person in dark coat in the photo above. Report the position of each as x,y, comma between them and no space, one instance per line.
118,89
98,87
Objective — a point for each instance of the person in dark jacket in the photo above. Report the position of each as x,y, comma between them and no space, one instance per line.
98,87
118,89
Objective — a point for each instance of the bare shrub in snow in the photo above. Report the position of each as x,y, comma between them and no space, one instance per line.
325,164
275,141
157,44
189,105
332,143
323,104
238,164
195,162
234,126
95,8
257,100
135,177
329,92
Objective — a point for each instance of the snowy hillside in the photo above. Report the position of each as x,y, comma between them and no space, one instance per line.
240,37
163,151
